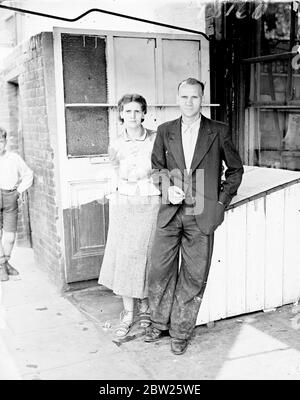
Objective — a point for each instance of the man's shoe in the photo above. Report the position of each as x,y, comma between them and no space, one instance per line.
3,273
153,334
10,269
178,346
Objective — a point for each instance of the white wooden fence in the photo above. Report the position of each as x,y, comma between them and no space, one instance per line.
256,258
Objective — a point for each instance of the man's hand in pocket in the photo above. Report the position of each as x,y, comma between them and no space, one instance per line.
220,210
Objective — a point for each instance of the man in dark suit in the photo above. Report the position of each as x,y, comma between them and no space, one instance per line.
187,162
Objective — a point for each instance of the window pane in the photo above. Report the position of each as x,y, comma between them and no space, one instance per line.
84,69
276,28
175,68
274,139
274,81
87,129
296,85
269,82
292,137
272,128
135,67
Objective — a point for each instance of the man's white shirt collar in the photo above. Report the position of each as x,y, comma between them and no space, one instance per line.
189,139
192,126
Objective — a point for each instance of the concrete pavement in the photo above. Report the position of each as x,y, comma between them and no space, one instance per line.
47,336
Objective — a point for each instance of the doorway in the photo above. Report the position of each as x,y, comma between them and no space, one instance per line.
16,144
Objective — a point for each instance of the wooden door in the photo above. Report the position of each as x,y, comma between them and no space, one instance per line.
93,70
81,79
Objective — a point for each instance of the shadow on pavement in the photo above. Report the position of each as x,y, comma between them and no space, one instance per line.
253,346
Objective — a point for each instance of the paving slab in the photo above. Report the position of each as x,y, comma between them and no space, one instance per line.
8,367
41,316
57,347
105,367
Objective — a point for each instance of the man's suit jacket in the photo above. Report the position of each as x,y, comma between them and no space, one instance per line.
202,185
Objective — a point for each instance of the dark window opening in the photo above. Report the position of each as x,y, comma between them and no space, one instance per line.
85,93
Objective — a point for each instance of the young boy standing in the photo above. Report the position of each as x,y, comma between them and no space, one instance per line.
15,178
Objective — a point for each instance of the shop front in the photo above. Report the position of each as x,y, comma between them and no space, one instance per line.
255,261
258,86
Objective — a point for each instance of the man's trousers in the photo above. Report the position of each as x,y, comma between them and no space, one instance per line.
175,294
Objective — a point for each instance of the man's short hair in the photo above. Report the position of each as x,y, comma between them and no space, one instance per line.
191,81
3,133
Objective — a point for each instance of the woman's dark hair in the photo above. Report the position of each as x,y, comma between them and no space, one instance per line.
129,98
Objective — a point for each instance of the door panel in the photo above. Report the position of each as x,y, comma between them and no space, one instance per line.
88,127
86,224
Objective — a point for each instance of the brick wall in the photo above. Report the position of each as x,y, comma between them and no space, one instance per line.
27,65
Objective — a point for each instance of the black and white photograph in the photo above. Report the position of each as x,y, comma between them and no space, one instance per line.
149,193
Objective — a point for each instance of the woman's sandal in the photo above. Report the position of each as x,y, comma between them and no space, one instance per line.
126,321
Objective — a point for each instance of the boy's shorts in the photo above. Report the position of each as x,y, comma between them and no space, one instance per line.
9,210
